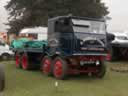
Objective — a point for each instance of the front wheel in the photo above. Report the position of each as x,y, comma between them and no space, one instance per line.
101,70
46,66
60,69
25,62
18,60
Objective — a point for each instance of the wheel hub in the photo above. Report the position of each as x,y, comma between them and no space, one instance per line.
24,62
17,61
46,66
58,69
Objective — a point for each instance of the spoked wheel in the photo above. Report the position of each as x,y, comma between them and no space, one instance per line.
25,62
101,70
46,66
18,60
60,68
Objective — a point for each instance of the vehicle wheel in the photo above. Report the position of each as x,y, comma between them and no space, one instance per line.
60,70
5,56
25,62
18,60
2,79
46,66
101,70
109,56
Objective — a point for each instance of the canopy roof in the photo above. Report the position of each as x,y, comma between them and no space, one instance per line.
35,30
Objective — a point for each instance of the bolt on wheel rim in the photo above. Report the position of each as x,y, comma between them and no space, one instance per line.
24,62
58,68
46,66
17,61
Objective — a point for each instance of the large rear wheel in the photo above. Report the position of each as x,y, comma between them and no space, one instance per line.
101,70
109,56
60,70
18,60
25,62
46,66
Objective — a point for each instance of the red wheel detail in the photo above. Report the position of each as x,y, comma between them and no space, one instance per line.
58,69
108,57
46,66
17,60
24,62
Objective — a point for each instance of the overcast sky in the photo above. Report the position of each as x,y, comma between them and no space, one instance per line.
3,15
118,12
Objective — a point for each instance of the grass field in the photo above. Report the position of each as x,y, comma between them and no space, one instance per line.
33,83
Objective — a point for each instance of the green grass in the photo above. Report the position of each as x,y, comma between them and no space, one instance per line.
33,83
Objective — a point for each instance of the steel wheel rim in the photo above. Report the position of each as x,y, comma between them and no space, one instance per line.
24,62
108,57
58,68
17,60
46,66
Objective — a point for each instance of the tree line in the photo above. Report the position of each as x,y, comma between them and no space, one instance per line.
29,13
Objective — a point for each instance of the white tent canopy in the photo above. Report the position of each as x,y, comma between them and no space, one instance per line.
40,31
34,30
